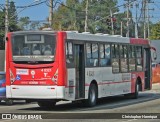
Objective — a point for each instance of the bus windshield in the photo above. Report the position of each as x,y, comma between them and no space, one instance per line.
33,47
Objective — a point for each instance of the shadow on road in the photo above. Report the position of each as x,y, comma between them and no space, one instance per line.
105,103
3,103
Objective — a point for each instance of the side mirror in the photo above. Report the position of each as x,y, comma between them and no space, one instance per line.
6,38
153,54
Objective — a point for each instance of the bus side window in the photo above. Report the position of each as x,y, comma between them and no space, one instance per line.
88,56
132,59
91,54
115,58
108,54
123,58
105,59
69,54
95,54
139,58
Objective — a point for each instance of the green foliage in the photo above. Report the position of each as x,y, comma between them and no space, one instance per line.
12,13
72,16
98,12
155,32
24,22
65,17
12,17
2,28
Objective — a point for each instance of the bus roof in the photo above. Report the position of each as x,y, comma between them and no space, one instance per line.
96,37
99,37
106,38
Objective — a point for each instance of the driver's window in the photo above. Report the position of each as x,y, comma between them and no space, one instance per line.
69,54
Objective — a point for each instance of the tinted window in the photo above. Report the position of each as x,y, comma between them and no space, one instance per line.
92,54
42,47
69,54
105,59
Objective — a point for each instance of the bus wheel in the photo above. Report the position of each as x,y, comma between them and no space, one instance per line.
9,102
46,104
92,96
135,94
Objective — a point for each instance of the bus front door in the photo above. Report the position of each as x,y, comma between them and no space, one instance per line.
147,64
79,70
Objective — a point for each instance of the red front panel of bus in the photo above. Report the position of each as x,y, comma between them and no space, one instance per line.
38,74
31,75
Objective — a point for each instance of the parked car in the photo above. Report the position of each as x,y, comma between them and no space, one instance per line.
2,85
3,89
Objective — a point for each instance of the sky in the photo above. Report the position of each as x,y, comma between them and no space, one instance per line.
41,12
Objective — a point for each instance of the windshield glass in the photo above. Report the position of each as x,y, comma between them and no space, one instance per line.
33,47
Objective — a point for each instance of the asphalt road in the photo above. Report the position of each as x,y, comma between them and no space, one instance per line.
117,108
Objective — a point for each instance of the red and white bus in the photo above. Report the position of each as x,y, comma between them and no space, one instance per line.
48,66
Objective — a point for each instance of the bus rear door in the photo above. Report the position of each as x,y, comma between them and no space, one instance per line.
79,70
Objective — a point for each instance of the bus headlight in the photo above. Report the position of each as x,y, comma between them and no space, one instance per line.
12,78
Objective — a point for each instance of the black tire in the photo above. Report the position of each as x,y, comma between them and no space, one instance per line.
92,96
46,104
135,94
9,102
28,101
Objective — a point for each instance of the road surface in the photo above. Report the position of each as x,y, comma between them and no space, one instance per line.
111,109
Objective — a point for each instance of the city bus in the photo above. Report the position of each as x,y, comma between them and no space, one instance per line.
50,66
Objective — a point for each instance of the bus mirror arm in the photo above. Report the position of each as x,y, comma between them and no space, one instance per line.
6,38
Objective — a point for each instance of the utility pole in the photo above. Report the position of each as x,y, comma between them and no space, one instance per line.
86,17
51,13
111,14
136,21
6,28
144,16
148,17
128,6
121,28
6,18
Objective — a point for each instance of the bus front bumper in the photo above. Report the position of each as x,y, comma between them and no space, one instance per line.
35,92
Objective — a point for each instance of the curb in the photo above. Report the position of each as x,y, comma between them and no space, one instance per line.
156,84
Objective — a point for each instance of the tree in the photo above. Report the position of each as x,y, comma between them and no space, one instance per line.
65,17
71,16
24,23
44,25
98,12
155,32
34,25
13,18
59,18
2,28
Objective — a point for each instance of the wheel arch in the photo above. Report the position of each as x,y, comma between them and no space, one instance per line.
139,81
95,83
